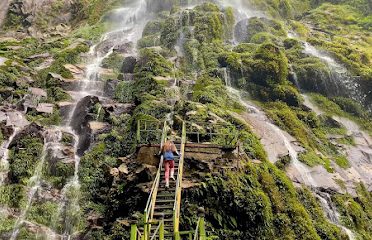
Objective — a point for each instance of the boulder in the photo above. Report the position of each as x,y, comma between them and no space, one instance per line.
38,92
45,108
2,61
6,92
77,71
15,118
124,48
65,108
118,109
129,64
37,56
33,130
80,121
110,87
241,31
128,77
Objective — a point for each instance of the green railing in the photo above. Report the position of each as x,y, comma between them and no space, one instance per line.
149,131
150,206
159,232
177,202
213,133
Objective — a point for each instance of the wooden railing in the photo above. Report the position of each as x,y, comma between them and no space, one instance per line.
177,202
150,206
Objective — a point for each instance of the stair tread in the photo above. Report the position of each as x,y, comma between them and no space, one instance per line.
164,200
163,213
164,207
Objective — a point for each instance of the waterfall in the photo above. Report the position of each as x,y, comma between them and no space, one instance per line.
4,150
51,137
331,212
275,132
301,167
243,12
131,21
339,82
227,77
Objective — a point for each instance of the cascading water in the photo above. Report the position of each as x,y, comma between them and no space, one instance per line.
339,82
132,22
331,212
301,168
51,137
243,12
4,151
260,117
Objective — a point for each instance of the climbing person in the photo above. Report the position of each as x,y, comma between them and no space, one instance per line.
168,151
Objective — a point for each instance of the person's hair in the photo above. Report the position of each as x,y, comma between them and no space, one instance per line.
169,146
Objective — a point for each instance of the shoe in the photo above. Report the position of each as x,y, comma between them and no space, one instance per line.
172,177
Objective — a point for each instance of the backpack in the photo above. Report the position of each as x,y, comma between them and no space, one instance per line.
168,155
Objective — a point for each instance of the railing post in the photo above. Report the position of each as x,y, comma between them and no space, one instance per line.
133,231
161,230
202,232
139,131
177,236
146,227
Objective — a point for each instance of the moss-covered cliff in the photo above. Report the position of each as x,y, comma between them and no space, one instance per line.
305,163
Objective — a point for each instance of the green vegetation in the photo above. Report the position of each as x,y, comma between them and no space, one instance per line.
356,213
24,158
256,201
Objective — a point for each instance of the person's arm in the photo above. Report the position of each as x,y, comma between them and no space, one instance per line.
161,151
175,150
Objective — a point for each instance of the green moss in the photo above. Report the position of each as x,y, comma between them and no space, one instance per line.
23,159
342,161
356,213
12,195
43,213
114,61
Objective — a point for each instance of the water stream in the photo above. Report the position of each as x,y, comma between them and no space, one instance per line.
4,151
269,133
339,81
51,138
130,23
331,212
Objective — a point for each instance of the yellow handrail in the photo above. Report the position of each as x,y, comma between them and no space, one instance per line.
177,202
150,205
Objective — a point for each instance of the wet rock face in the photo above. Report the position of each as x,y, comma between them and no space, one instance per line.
4,4
241,33
80,121
128,65
30,12
110,87
33,130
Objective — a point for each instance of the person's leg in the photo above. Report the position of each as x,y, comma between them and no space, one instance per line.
166,166
172,169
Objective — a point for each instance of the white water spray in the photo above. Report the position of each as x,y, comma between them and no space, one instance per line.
50,139
331,212
4,151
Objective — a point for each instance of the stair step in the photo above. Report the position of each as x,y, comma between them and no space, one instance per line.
161,189
161,214
165,201
163,207
165,195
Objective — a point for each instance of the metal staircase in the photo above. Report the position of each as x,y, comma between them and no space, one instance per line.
162,213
